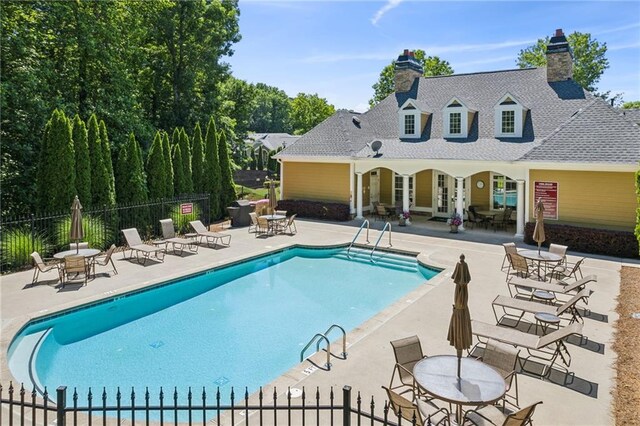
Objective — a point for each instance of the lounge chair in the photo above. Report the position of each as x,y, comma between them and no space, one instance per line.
503,358
177,243
490,415
104,260
526,306
418,412
211,237
135,244
525,287
41,266
408,352
546,348
75,265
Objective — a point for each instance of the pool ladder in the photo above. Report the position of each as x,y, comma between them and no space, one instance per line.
386,228
366,222
319,337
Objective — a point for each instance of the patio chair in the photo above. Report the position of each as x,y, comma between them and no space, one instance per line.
77,246
281,212
490,415
566,270
509,248
560,250
104,260
525,287
254,222
211,237
503,358
135,244
41,266
503,220
518,266
383,213
263,227
408,352
547,348
418,412
473,219
177,243
289,224
75,265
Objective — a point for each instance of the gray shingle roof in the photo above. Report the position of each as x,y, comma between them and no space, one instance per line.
631,114
271,141
549,106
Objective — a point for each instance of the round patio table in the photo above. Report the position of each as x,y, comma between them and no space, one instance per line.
86,253
478,383
539,258
273,219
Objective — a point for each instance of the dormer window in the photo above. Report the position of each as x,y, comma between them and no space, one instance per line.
411,120
456,118
409,124
509,117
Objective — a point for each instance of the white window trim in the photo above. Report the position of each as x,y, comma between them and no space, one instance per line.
464,119
506,178
412,178
519,112
416,119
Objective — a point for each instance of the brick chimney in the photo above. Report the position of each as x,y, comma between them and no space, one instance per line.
559,58
407,68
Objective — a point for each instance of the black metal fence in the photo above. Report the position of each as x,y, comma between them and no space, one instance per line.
20,407
49,233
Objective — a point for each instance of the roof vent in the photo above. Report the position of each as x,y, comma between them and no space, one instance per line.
355,120
375,146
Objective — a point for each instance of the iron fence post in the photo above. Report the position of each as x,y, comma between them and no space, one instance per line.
104,224
33,232
346,406
61,405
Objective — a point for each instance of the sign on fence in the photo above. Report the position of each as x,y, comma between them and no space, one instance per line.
548,191
186,208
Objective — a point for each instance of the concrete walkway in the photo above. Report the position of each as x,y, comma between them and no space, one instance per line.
584,399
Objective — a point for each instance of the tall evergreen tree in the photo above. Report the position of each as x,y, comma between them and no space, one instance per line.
57,160
185,149
227,187
168,167
100,187
44,165
131,173
156,169
83,164
197,161
212,169
121,173
175,137
108,160
178,172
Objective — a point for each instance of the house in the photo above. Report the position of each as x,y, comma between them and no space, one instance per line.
491,139
268,142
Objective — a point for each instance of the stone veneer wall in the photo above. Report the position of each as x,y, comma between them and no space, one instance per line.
559,66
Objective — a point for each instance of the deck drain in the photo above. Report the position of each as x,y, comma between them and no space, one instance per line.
635,315
295,392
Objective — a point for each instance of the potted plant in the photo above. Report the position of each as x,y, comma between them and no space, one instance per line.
454,221
405,218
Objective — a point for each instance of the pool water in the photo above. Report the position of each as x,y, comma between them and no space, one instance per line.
239,326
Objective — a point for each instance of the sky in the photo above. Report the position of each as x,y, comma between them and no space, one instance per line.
338,48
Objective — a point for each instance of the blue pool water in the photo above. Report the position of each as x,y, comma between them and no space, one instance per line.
242,325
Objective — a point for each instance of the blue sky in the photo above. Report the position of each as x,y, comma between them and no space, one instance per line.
338,48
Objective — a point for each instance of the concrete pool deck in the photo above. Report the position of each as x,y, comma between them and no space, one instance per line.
585,399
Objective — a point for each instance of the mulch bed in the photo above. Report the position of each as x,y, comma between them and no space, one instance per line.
626,396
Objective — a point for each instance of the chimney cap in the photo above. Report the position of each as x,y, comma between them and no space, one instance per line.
406,52
559,32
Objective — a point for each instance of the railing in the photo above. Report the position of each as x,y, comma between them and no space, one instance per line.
366,222
387,226
20,407
49,233
344,339
317,338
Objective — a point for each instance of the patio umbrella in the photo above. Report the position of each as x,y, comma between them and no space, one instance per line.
77,232
460,335
538,231
273,201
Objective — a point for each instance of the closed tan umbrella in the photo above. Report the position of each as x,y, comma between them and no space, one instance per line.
460,335
538,231
273,201
77,233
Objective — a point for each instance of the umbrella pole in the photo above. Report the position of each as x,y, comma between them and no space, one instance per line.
459,361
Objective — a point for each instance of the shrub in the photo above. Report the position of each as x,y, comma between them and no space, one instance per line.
17,245
94,232
316,209
181,221
587,240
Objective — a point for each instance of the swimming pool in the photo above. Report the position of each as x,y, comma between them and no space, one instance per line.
241,325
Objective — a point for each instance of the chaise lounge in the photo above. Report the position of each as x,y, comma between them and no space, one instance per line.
178,244
211,237
135,244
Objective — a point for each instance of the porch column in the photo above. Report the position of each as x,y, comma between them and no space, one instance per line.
460,200
520,209
405,193
281,179
359,196
352,208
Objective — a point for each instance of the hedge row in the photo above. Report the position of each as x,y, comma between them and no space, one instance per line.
587,240
316,209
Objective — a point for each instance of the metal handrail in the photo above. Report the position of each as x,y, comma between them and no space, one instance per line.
386,225
344,339
366,222
313,339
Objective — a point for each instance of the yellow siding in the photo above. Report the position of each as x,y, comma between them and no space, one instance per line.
607,199
316,182
480,197
386,186
424,187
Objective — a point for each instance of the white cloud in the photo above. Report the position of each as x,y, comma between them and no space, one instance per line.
623,46
391,4
493,60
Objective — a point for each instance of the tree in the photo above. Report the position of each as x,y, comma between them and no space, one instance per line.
631,105
56,183
307,111
178,172
227,187
156,169
197,161
212,171
132,183
83,164
431,65
100,187
185,149
168,166
589,61
108,161
271,110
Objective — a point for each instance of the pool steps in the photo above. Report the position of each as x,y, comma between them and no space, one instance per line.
381,258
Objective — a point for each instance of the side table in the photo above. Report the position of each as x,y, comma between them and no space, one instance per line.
543,296
544,320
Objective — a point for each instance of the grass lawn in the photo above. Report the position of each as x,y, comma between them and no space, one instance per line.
254,194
